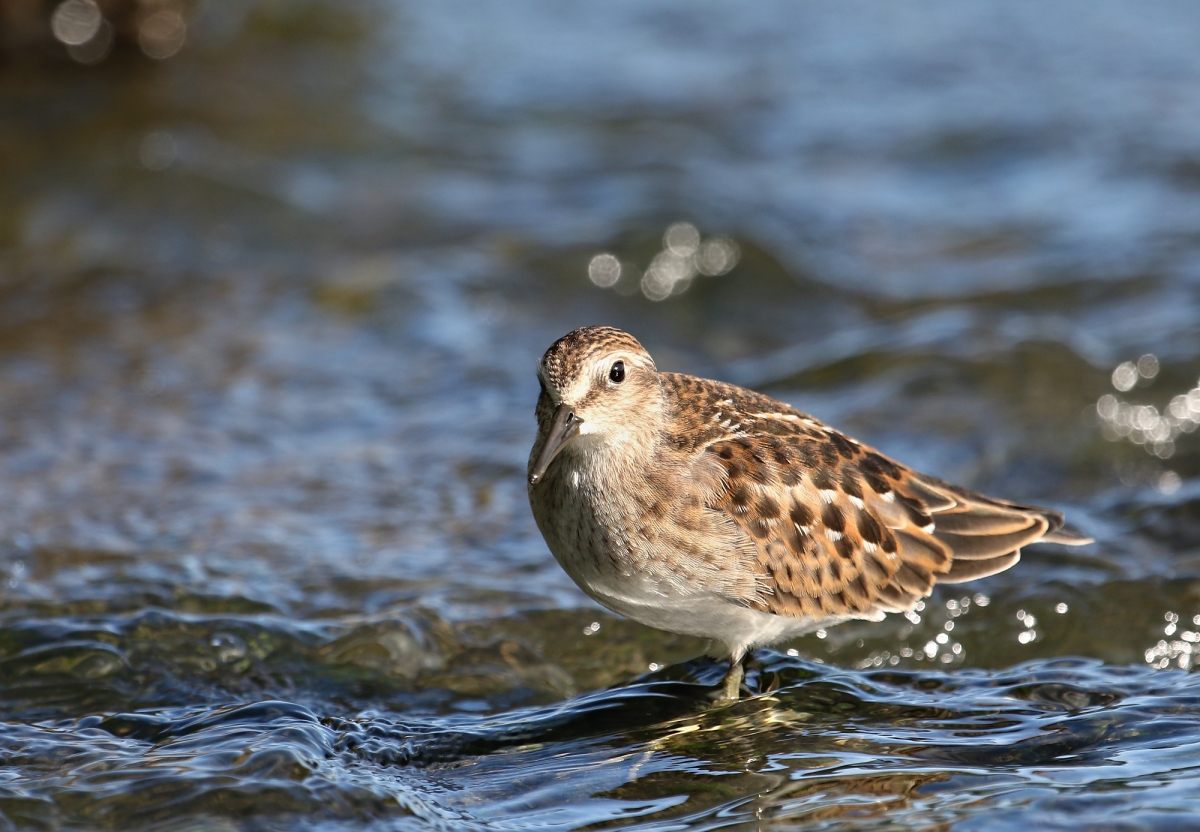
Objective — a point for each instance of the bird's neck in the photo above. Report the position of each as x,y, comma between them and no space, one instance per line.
618,463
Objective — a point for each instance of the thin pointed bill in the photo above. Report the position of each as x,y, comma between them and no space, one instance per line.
563,429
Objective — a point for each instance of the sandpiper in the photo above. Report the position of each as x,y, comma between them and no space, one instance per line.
703,508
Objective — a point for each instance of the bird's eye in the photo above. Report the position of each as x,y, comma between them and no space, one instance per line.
617,374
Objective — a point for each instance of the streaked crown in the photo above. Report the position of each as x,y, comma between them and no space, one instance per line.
570,356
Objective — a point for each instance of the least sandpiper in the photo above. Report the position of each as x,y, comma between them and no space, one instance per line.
703,508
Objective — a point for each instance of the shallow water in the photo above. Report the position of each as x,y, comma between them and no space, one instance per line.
269,310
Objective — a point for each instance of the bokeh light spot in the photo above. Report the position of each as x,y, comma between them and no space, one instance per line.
97,48
1125,376
604,270
75,22
669,273
684,255
1143,424
162,34
716,257
1169,482
682,239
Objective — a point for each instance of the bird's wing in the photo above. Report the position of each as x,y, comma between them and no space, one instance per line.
841,531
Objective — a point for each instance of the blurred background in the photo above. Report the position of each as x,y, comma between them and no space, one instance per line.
274,276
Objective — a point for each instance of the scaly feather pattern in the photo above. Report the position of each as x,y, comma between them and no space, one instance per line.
840,530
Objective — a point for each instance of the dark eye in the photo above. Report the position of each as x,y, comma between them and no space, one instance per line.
617,374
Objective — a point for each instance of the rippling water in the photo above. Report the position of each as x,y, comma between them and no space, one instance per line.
269,310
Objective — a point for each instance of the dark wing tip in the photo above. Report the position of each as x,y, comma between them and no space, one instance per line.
1057,532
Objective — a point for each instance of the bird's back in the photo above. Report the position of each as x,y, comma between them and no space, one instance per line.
838,530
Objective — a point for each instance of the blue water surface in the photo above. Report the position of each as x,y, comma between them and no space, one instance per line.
273,280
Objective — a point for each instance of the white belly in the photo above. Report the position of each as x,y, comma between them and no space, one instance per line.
733,628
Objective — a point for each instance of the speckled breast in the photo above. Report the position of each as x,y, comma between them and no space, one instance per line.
587,534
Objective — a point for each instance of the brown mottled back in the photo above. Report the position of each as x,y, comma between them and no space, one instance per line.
839,530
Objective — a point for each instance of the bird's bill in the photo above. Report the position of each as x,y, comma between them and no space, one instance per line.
563,429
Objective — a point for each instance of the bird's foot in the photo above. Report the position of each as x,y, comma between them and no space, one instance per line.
731,687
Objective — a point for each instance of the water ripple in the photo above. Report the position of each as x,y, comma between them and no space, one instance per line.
273,279
878,740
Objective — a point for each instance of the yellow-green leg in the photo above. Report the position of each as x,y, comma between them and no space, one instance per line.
731,687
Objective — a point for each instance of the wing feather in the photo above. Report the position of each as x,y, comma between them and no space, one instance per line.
962,571
841,531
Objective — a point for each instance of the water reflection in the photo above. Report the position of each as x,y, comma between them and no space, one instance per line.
89,29
83,29
75,22
604,270
684,255
162,33
816,744
1143,424
1180,651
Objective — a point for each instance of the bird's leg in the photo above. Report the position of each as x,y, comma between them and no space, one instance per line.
732,685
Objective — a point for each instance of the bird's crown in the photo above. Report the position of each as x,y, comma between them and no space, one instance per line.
571,355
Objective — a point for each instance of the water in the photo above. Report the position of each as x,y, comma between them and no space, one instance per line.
269,309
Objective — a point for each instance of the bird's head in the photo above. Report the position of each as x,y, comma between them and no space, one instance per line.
599,384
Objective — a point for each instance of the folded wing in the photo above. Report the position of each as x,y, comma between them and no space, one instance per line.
841,531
